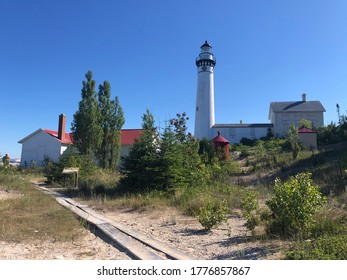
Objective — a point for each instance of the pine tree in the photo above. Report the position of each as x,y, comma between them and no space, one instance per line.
141,166
194,170
172,160
86,121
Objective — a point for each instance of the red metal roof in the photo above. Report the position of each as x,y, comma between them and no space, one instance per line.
128,136
306,130
68,137
220,139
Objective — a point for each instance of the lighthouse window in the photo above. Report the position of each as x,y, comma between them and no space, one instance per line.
197,108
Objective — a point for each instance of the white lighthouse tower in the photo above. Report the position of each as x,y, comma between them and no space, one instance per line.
204,114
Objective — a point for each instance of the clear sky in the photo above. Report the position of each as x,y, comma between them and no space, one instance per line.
267,50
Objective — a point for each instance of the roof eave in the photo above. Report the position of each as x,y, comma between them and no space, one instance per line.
30,135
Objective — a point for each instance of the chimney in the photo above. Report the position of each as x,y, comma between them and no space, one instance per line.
61,127
303,97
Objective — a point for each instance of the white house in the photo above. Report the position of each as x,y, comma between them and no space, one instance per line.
45,143
283,114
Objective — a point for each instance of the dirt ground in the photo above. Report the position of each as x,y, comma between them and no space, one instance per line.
228,241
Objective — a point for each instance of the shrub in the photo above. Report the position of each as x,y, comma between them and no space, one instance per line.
213,214
249,204
326,247
244,150
293,204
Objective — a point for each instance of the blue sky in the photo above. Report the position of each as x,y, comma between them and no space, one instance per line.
266,51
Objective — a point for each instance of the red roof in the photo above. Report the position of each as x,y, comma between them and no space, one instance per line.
306,130
220,139
128,136
68,137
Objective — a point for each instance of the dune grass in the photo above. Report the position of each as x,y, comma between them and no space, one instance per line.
30,215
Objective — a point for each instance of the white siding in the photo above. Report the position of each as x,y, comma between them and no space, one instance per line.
124,150
235,134
282,121
39,146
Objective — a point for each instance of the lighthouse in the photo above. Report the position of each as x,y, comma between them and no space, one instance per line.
204,111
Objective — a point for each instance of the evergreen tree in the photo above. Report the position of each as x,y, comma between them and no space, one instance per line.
172,160
195,171
163,164
141,166
86,121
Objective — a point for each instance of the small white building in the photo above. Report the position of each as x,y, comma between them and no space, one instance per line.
45,143
308,137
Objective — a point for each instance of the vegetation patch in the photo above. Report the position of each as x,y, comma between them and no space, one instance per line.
293,205
33,215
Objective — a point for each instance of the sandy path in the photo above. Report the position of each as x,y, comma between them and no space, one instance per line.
228,241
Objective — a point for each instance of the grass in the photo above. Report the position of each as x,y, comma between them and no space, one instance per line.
32,215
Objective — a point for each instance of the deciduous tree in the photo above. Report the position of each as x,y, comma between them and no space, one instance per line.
111,121
86,121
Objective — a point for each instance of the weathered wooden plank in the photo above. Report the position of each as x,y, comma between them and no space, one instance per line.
89,218
131,245
70,170
116,231
156,244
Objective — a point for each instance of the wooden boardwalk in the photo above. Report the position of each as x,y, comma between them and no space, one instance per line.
136,244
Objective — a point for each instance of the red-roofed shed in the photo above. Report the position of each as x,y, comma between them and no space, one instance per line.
308,137
221,143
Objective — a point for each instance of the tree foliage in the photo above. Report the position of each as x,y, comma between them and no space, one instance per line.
333,133
97,124
305,123
86,121
141,166
166,162
111,121
294,140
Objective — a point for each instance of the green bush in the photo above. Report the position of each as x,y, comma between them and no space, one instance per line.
293,205
244,150
70,158
213,214
326,247
249,205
